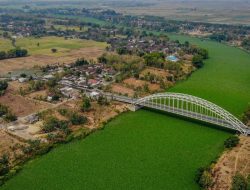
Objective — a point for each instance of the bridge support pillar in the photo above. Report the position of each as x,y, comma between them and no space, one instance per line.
134,108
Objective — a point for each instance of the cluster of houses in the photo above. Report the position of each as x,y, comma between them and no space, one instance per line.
144,45
89,76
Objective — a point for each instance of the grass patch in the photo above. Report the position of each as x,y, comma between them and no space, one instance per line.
5,44
82,18
76,28
61,44
158,152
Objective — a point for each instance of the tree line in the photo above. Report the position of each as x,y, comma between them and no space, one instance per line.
13,53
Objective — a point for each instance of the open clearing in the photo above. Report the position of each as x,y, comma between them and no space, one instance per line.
22,106
67,52
135,83
62,45
131,153
7,144
232,161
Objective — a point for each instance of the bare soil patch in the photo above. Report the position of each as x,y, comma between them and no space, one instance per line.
15,86
42,94
99,114
158,72
135,83
10,65
119,88
232,161
23,106
10,145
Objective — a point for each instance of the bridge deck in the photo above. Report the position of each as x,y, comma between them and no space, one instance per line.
182,112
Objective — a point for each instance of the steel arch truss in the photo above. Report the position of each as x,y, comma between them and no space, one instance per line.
193,107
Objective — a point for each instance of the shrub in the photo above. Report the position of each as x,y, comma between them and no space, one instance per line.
10,117
52,82
53,50
206,180
86,105
63,112
198,61
77,119
102,100
3,110
4,165
231,142
3,85
50,125
12,53
198,174
239,182
55,97
53,124
80,62
23,75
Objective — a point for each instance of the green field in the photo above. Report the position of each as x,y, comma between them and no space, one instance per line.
141,150
83,19
5,44
76,28
47,43
62,45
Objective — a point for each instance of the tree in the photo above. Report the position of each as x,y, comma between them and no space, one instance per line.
4,165
53,50
206,180
52,124
155,59
231,142
102,100
52,82
3,85
3,55
186,43
203,52
86,105
23,75
10,117
197,61
146,87
81,62
77,119
3,110
246,43
239,182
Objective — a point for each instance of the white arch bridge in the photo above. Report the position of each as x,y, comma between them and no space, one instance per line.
188,106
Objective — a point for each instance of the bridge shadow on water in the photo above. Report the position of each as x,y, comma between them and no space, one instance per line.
204,124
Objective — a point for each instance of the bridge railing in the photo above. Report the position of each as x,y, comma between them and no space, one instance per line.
193,107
